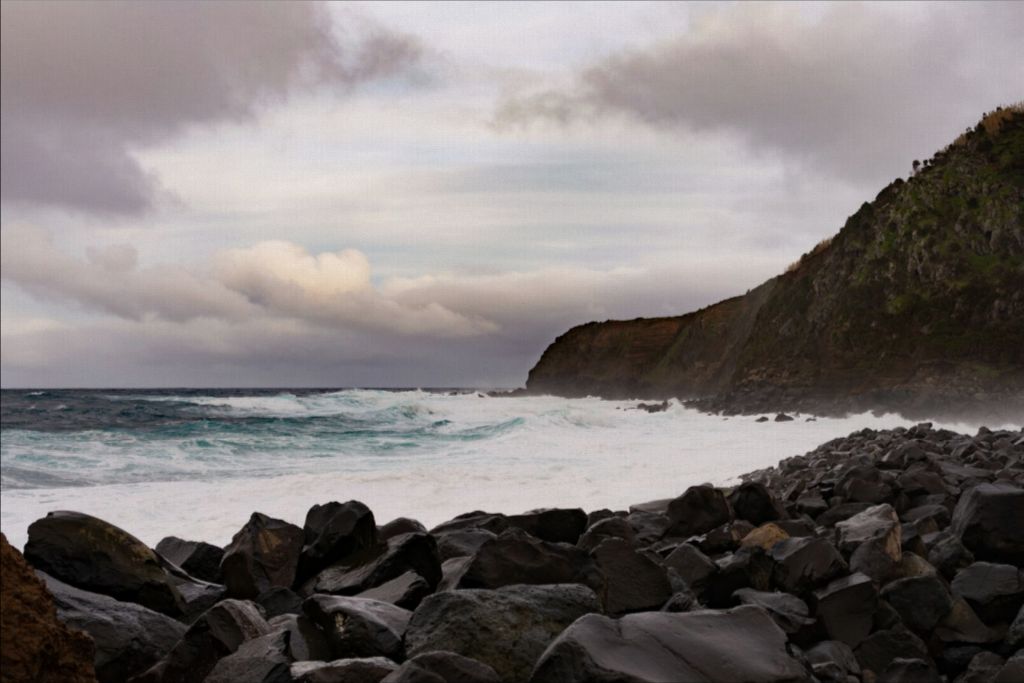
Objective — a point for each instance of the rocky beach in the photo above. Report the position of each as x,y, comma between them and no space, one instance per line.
889,555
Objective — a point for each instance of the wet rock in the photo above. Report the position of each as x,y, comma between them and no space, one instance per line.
764,536
839,513
406,591
263,554
305,640
987,519
659,646
94,555
761,419
782,417
873,537
555,525
612,527
633,582
374,567
802,564
788,611
36,645
354,670
217,633
692,565
442,667
359,627
332,532
517,557
921,601
461,543
278,600
261,660
699,510
723,539
753,502
878,650
902,670
995,591
493,522
485,623
397,527
199,559
129,638
846,608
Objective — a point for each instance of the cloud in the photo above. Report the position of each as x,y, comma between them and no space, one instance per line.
857,91
86,84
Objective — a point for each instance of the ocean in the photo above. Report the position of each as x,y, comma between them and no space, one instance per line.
197,463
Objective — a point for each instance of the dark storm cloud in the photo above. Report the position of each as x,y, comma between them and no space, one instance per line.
86,83
857,92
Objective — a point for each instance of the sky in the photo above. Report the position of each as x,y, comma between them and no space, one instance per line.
427,194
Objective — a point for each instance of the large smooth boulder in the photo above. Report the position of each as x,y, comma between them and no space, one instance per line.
995,591
753,502
399,526
129,638
263,554
94,555
350,670
36,645
442,667
359,627
199,559
846,608
215,635
699,510
740,644
804,563
261,660
376,566
332,532
555,525
988,520
921,601
507,628
517,557
633,581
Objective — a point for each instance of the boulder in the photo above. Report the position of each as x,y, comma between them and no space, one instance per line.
94,555
264,553
661,646
983,667
305,640
692,565
612,527
962,625
215,635
878,650
354,670
788,611
949,555
648,527
921,601
904,670
873,537
764,536
753,502
987,520
633,582
846,608
406,591
199,559
995,591
832,660
376,566
37,646
397,527
332,532
359,627
461,543
555,525
802,564
839,513
488,521
746,568
506,629
699,510
129,638
1013,670
1015,634
442,667
517,557
278,600
723,539
264,659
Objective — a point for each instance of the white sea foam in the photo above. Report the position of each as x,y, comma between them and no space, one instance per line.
496,454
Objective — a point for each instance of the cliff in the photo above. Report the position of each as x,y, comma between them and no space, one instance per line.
916,304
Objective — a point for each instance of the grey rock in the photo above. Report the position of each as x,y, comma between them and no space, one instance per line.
633,582
263,554
359,627
442,667
353,670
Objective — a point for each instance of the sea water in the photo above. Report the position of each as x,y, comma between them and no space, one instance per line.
197,463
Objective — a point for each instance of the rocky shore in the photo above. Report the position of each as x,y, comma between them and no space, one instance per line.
889,556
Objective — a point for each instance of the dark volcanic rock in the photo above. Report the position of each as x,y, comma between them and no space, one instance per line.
555,525
218,633
36,646
359,627
397,527
699,510
962,625
278,600
129,638
264,659
462,543
832,660
659,646
995,591
746,568
802,564
406,591
354,670
846,608
376,566
988,520
983,668
507,628
873,537
902,670
612,527
633,582
332,532
949,555
94,555
517,557
442,667
921,601
788,611
305,640
263,554
692,565
879,649
488,521
753,502
199,559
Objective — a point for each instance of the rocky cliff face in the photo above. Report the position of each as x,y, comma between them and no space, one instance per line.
916,304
